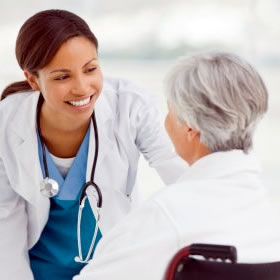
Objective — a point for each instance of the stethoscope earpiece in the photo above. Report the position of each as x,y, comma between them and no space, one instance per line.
78,260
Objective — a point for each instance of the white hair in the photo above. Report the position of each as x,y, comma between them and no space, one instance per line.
221,96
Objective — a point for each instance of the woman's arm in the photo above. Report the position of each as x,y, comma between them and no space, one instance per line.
154,143
14,259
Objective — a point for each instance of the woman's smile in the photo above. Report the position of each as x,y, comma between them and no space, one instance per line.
82,103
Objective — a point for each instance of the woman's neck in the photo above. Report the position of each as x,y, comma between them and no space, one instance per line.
62,138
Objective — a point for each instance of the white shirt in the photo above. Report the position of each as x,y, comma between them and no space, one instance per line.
63,164
219,200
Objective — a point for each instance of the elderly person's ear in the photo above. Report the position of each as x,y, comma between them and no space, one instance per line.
192,134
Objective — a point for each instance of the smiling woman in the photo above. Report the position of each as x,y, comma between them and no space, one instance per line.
52,125
70,85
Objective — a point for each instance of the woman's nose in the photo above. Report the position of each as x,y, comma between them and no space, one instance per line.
81,86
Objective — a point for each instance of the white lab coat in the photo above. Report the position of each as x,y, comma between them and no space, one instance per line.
127,122
219,200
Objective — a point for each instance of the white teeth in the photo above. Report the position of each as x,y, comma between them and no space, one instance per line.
80,102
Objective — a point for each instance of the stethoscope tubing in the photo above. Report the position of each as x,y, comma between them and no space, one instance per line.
40,103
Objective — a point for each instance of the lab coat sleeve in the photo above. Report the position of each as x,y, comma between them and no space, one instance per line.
14,260
153,142
138,248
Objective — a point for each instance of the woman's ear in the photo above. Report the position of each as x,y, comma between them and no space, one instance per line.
32,80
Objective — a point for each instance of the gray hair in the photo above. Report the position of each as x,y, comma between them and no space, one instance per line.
221,96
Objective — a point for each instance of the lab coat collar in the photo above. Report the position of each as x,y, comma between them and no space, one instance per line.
222,164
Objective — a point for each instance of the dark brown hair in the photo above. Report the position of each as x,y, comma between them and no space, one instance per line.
39,39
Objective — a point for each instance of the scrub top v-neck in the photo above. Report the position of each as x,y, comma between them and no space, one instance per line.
53,255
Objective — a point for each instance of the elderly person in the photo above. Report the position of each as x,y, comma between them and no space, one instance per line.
215,101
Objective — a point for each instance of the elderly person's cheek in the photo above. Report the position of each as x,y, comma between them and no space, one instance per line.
173,130
168,125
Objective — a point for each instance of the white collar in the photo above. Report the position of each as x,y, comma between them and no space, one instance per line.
221,164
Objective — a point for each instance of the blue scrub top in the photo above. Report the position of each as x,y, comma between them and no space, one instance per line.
53,255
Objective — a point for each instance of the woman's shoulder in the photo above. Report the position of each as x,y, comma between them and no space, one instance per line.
16,104
12,101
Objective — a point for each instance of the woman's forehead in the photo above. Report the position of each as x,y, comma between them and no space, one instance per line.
75,52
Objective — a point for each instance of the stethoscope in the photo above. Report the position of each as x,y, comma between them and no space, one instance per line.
50,188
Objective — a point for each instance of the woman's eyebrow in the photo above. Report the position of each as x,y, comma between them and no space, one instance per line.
95,58
67,70
60,70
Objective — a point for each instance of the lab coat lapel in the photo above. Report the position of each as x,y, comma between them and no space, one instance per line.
110,195
104,120
27,173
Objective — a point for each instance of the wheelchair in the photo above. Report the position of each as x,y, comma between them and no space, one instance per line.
217,262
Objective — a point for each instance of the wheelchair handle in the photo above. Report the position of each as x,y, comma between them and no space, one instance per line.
214,251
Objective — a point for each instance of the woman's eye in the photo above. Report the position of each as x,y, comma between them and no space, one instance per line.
61,78
91,69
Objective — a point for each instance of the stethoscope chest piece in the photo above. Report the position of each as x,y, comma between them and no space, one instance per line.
49,187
